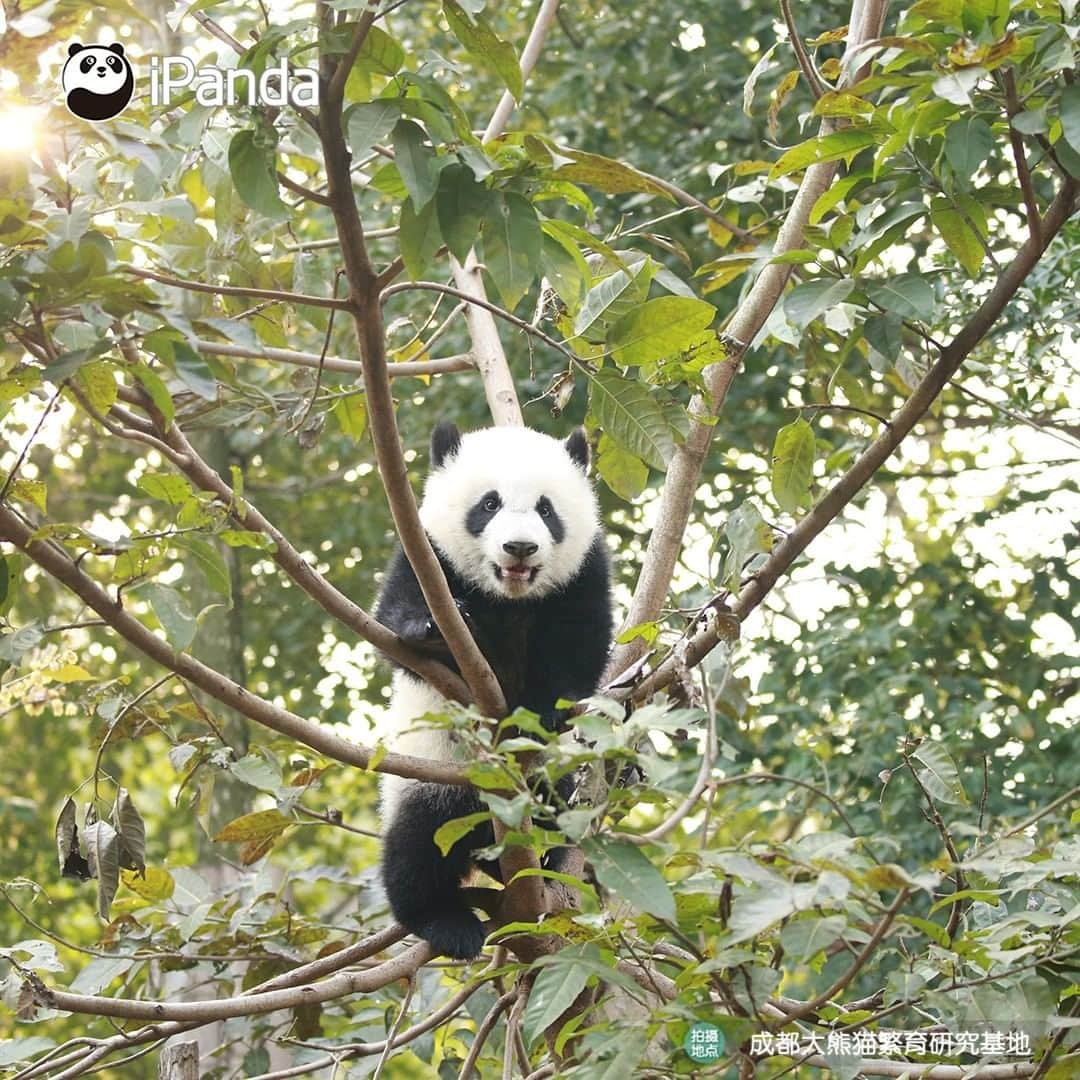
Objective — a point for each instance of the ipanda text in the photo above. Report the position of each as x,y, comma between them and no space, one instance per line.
277,85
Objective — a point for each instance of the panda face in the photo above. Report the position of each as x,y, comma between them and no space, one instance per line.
98,80
511,509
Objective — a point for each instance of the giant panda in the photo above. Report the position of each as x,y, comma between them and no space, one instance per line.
98,80
513,519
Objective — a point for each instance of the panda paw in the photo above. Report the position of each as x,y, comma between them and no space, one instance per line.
431,628
458,934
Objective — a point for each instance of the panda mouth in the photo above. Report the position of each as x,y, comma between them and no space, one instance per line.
520,573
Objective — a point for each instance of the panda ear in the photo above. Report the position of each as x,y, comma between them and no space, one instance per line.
74,47
445,442
577,446
117,48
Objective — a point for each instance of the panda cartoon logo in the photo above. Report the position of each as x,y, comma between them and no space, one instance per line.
98,80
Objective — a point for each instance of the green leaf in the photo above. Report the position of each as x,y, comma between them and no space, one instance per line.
605,174
555,990
209,561
174,490
415,162
909,295
939,774
611,298
806,937
793,465
968,143
812,298
157,390
628,411
960,238
369,123
419,237
461,202
97,381
839,145
624,871
449,833
352,415
748,534
31,491
193,371
5,581
1070,115
380,54
253,168
623,472
485,47
173,613
884,333
658,329
512,240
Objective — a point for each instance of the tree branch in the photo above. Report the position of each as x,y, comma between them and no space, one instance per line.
677,495
439,366
810,74
365,307
1023,173
879,451
238,290
63,569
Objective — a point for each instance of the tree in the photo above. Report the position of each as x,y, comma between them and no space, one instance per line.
832,847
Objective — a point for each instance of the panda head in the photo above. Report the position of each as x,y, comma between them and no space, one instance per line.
98,80
512,510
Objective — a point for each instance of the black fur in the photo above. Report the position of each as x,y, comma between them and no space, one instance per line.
445,441
540,650
577,446
488,505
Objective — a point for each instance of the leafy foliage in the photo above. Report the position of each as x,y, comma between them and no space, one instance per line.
889,761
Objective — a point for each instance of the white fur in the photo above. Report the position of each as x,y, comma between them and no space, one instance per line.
402,731
521,465
107,74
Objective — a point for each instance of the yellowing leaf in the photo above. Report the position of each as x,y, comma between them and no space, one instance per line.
257,826
31,491
98,384
151,884
69,673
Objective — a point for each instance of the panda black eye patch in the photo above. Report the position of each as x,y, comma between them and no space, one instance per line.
86,63
551,519
482,511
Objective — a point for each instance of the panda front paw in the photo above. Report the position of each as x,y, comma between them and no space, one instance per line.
431,628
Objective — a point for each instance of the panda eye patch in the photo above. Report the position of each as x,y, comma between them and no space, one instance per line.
482,511
114,63
86,64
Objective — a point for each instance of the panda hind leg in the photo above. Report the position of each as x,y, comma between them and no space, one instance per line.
422,885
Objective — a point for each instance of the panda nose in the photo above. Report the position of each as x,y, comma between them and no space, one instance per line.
100,71
520,549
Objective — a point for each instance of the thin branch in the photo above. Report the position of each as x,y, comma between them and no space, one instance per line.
680,487
298,189
484,1029
322,364
1012,107
439,366
31,439
319,737
882,928
277,295
810,74
904,420
475,300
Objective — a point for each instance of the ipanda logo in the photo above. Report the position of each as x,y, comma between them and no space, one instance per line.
99,80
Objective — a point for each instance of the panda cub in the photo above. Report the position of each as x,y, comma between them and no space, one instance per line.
514,522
